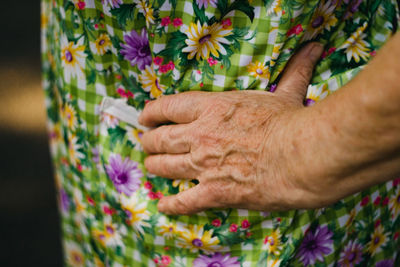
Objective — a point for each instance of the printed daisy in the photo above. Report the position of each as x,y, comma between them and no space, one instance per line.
273,262
137,49
203,40
351,255
135,136
146,10
195,238
356,47
150,82
316,93
137,213
275,8
124,174
217,260
396,204
377,239
73,58
183,184
109,120
258,70
205,3
272,243
112,3
74,255
322,19
101,45
168,230
74,148
69,115
111,235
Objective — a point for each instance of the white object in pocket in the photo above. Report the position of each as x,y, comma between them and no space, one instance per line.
118,108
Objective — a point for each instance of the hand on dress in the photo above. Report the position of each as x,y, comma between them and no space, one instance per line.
232,142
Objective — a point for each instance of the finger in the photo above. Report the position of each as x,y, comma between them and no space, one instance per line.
174,166
172,139
298,73
179,108
188,202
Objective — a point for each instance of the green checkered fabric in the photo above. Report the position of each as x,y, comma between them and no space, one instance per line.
138,50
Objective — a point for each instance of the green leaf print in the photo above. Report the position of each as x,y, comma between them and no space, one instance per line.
123,13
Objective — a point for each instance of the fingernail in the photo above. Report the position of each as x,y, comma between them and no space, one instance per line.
315,51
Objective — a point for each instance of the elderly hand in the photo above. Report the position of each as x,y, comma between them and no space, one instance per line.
232,142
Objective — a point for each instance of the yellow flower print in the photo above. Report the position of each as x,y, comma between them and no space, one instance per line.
73,58
377,239
272,243
137,212
203,40
168,231
101,45
196,239
258,70
150,82
147,10
356,47
69,115
275,8
74,255
316,93
396,204
183,184
322,19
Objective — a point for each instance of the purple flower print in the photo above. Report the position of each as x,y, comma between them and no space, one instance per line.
124,174
137,49
64,200
385,263
216,260
201,3
352,255
112,3
315,244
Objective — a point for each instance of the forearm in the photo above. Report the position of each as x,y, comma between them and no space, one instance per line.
351,140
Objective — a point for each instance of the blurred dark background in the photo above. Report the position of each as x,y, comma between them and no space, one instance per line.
29,220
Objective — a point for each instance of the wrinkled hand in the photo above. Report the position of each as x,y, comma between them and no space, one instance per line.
232,142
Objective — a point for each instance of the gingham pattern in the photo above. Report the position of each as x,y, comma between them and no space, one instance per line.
89,202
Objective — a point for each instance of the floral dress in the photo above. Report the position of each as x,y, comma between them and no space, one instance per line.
103,60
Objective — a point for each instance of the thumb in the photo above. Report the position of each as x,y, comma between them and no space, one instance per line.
298,73
187,202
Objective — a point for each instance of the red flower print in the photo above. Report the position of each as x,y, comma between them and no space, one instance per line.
171,65
90,200
201,84
377,223
226,23
80,5
385,201
148,185
159,195
152,195
109,211
377,200
233,228
216,222
245,224
165,259
177,22
396,235
164,68
364,201
165,21
158,60
211,61
396,182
